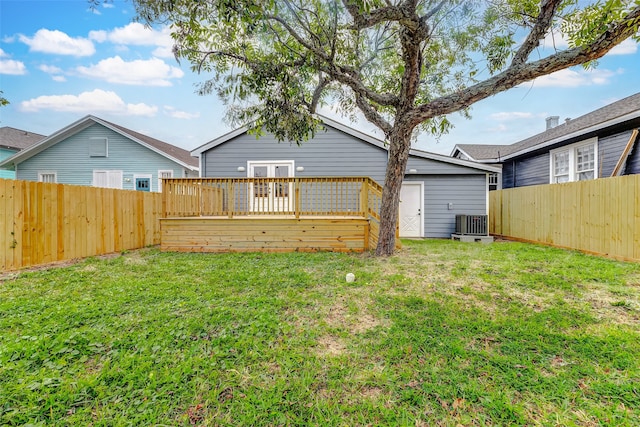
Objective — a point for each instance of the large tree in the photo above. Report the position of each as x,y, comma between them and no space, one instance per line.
404,64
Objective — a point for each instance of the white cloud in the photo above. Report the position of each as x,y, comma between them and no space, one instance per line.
58,78
627,47
511,115
99,36
152,72
108,5
499,128
136,34
573,78
57,42
9,66
2,53
96,101
50,69
558,41
176,114
555,40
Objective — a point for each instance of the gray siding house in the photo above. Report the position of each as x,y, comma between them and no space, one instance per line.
98,153
436,187
13,140
599,144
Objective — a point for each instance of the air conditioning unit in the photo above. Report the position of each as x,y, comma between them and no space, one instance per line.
473,225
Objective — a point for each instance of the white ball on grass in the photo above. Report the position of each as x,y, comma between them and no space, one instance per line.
351,277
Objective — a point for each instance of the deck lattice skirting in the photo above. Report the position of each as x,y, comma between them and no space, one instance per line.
270,214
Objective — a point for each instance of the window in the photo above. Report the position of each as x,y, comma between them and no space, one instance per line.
163,174
47,177
98,147
493,181
585,163
107,179
577,162
561,167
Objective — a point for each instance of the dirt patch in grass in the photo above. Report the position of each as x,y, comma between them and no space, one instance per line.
357,320
619,309
329,345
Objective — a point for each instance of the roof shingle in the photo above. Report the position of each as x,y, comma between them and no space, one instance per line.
18,139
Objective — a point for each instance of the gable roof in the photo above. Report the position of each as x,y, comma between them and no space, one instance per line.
356,134
171,152
17,139
610,115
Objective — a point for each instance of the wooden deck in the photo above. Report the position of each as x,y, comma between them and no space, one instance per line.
270,214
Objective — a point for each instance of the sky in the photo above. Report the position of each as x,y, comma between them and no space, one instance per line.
62,60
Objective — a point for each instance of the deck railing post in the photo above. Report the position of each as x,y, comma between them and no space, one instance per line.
232,197
364,197
297,197
164,198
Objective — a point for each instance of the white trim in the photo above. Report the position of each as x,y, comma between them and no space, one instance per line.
291,163
571,150
576,134
76,127
160,172
422,210
486,196
112,177
47,172
358,135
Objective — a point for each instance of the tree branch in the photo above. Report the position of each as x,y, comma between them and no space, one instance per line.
548,9
372,115
366,20
521,73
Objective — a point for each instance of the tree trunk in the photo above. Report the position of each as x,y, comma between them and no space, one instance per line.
399,146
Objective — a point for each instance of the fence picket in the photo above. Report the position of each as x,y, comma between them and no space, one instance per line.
43,222
600,216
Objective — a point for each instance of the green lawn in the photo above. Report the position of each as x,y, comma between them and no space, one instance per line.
443,333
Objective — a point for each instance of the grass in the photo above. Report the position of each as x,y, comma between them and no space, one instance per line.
443,333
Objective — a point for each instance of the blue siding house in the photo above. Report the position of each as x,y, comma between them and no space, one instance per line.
435,188
13,140
600,144
98,153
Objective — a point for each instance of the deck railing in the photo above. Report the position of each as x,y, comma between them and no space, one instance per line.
229,197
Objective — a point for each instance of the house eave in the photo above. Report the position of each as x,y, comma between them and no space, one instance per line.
575,134
76,127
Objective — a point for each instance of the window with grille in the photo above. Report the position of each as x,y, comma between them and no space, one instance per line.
561,167
576,162
47,177
493,181
163,174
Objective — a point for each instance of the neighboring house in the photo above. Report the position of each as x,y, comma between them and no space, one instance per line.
435,187
13,140
95,152
599,144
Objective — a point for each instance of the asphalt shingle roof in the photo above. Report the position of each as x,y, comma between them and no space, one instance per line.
602,115
171,150
17,138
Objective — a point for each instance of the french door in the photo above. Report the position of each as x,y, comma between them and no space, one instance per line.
268,194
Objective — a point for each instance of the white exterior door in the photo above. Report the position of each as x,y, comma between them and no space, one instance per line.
411,205
270,196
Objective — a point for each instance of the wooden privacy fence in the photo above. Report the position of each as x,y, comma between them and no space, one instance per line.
42,223
600,216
